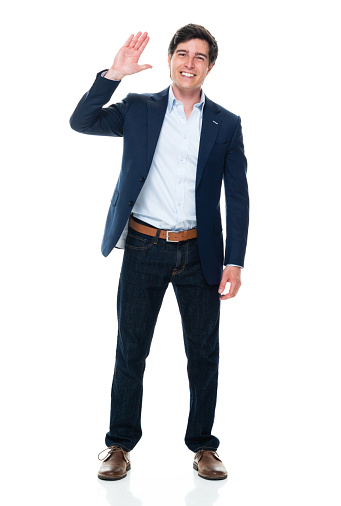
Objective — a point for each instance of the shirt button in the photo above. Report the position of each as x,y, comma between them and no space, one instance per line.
131,203
179,204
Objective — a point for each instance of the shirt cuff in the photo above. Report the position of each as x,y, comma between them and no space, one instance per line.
114,80
234,265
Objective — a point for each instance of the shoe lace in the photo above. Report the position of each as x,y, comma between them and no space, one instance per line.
110,450
200,452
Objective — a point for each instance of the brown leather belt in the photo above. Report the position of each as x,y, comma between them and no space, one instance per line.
185,235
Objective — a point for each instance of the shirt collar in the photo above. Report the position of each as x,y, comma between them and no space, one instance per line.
172,100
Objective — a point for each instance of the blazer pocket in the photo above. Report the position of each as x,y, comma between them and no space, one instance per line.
115,198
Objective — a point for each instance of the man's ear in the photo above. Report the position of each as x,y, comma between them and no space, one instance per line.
169,61
209,69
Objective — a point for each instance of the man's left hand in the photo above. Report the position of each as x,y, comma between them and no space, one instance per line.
231,274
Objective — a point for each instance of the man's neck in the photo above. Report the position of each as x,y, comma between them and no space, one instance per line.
188,97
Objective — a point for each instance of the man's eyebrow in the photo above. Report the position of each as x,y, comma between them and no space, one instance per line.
196,54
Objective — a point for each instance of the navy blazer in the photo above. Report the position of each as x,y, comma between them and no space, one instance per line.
138,118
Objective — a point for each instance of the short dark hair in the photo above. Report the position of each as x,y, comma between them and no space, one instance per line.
192,31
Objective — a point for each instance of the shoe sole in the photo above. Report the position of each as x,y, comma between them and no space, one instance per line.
195,466
113,478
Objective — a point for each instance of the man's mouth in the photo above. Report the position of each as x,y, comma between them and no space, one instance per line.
187,74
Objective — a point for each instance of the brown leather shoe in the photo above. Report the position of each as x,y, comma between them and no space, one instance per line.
115,464
209,465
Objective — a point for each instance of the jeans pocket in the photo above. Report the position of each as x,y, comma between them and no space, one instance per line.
136,240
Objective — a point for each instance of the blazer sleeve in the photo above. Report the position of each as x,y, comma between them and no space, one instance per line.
237,200
90,117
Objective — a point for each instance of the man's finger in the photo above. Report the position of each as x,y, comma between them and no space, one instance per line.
135,39
234,287
228,295
142,42
128,41
224,280
144,67
222,286
144,45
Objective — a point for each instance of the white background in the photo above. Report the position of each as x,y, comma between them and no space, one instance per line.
278,415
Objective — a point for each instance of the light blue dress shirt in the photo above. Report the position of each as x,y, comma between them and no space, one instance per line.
167,199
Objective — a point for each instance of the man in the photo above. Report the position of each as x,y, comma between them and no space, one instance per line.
178,147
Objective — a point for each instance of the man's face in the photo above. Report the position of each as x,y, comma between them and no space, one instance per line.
189,64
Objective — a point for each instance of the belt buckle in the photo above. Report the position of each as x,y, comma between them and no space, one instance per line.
167,239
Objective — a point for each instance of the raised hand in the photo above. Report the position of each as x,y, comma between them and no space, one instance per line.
126,60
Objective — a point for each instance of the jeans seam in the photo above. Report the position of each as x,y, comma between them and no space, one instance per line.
183,330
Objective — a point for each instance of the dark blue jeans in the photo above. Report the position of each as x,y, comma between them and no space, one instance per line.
149,265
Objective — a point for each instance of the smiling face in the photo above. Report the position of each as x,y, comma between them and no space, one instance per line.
189,65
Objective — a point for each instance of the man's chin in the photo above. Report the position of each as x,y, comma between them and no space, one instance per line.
187,86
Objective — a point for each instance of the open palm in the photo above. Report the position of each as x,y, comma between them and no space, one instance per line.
126,60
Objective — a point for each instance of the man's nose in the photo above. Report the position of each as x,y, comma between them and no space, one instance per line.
190,63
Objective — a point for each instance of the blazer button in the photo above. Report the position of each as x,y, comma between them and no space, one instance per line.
131,203
142,179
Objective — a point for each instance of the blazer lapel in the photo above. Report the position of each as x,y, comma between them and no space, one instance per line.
157,106
209,131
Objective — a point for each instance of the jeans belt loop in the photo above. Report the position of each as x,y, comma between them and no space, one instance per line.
156,239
